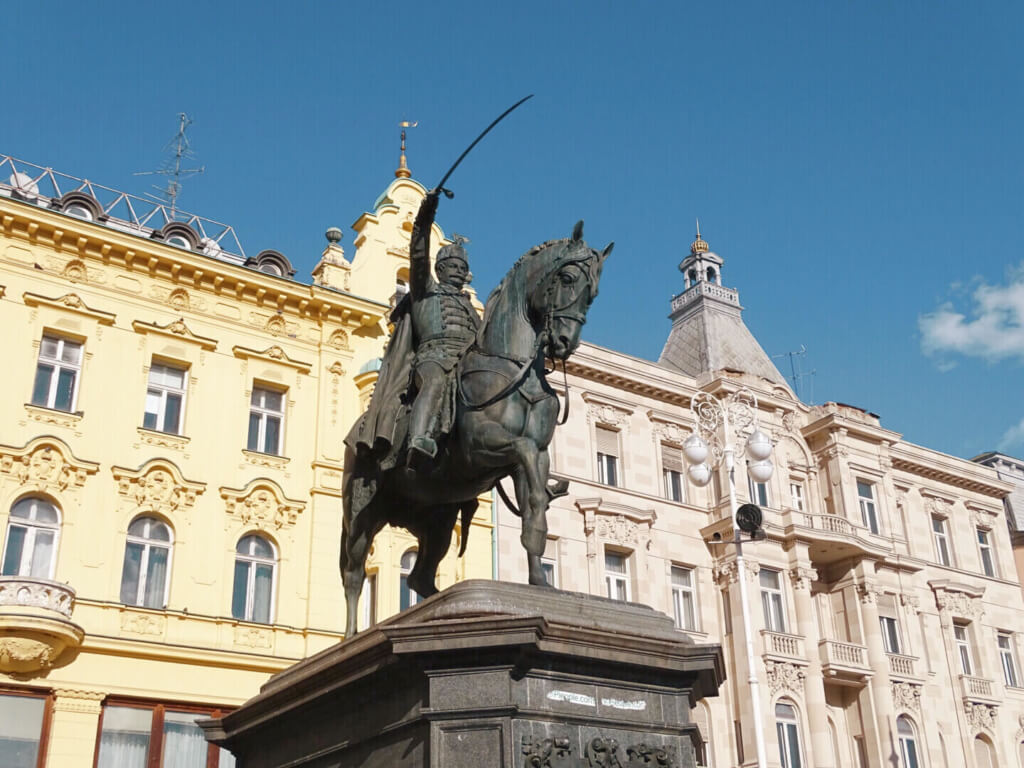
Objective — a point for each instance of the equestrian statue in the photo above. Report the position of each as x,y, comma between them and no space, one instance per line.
461,403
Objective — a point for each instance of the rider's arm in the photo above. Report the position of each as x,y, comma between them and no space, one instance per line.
419,247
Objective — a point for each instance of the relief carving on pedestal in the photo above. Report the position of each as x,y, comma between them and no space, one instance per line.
598,752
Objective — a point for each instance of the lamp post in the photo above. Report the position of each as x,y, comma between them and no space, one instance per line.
726,427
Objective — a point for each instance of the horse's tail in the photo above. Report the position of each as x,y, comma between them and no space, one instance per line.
468,509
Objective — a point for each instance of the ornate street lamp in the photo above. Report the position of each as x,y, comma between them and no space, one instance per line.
726,427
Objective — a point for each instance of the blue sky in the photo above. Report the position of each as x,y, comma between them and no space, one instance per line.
859,166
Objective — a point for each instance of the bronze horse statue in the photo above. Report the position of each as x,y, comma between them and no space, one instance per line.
505,417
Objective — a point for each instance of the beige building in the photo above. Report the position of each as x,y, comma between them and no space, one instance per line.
885,607
171,465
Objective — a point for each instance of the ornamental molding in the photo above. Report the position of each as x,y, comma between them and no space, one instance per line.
869,592
981,716
607,410
69,302
668,428
906,696
955,599
728,572
273,354
157,485
177,330
268,460
26,654
45,464
338,340
37,593
937,506
338,369
163,439
52,416
911,602
982,516
802,577
784,676
78,700
789,422
252,637
143,624
262,503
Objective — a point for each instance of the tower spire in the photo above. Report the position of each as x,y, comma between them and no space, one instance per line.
402,172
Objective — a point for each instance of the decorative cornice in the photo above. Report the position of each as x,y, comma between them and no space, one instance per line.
262,503
157,485
272,354
70,302
958,599
948,476
177,330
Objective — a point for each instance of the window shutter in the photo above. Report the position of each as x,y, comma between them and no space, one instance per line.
607,441
887,605
671,458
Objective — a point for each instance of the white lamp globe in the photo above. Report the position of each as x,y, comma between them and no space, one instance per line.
761,471
759,445
695,450
699,474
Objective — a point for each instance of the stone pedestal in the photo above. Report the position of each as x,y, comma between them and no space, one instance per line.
487,675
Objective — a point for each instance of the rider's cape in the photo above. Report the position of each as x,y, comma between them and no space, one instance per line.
381,429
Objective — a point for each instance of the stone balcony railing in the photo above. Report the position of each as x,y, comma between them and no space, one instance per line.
844,537
978,689
845,662
779,645
35,623
903,667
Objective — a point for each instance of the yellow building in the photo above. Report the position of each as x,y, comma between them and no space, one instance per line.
171,464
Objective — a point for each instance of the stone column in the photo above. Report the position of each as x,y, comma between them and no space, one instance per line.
76,716
879,725
814,685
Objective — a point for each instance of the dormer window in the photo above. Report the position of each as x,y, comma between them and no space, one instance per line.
271,263
79,212
179,241
270,269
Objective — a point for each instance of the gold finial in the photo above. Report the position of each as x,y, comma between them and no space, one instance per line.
698,245
402,172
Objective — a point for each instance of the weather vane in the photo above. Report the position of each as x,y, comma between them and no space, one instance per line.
403,168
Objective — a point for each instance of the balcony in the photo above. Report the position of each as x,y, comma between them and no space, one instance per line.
833,538
35,623
844,663
903,668
978,689
779,646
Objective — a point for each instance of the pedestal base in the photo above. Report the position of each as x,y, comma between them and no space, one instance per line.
487,675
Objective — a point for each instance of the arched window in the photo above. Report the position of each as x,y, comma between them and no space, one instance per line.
32,533
1020,753
908,742
147,557
787,726
406,595
984,754
253,593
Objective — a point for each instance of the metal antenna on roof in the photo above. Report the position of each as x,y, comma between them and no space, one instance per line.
180,149
797,375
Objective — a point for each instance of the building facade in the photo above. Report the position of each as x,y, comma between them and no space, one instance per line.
885,608
171,464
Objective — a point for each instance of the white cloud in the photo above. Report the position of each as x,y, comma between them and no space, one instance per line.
992,328
1013,438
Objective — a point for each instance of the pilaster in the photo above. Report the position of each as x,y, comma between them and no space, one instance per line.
76,716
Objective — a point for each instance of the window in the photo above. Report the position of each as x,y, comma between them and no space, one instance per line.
786,727
988,559
147,555
406,595
165,398
796,495
673,469
550,566
683,598
887,617
252,596
941,536
984,754
140,736
963,648
1008,659
868,512
758,492
266,414
607,456
771,600
57,373
21,729
616,576
368,615
32,532
908,742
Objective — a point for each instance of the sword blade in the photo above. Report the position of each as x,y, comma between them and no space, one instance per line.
476,141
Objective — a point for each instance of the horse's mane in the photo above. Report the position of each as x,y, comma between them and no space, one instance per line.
491,302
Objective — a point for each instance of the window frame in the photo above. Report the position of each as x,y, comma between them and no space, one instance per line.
673,484
58,365
891,637
550,566
250,585
871,521
46,721
773,597
940,538
787,731
407,596
149,544
620,578
1008,658
608,469
368,606
32,528
163,390
906,739
797,496
962,643
758,492
989,565
679,592
264,413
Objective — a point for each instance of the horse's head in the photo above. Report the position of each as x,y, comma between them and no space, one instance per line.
564,282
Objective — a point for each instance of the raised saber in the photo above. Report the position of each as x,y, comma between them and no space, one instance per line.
440,185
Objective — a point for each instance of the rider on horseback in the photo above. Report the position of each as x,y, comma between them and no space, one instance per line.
444,325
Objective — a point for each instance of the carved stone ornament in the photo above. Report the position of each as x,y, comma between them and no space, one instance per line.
263,504
789,421
253,637
784,676
75,271
37,593
157,485
981,716
869,593
547,753
937,507
45,464
1019,736
959,604
802,578
906,696
607,414
179,299
78,700
911,602
337,369
276,326
602,753
727,573
669,432
177,329
983,517
24,654
618,529
143,624
338,340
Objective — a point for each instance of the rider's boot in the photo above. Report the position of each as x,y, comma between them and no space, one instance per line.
422,450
